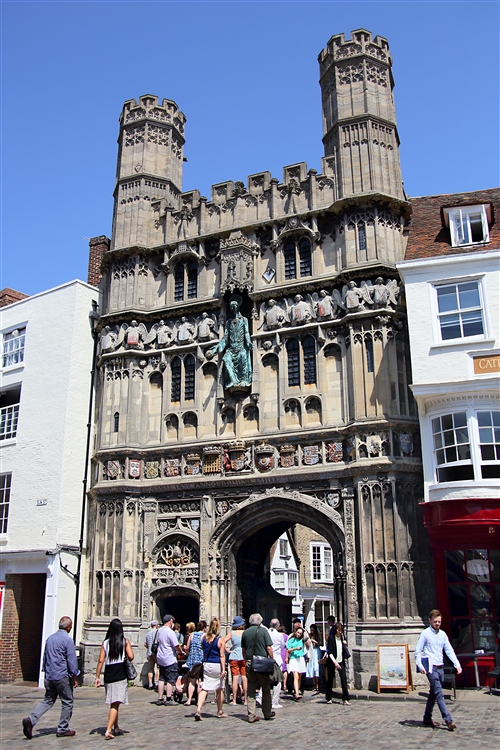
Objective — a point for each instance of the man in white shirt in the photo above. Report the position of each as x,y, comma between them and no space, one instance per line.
278,644
430,661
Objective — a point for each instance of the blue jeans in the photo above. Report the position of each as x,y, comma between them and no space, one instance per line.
436,678
54,689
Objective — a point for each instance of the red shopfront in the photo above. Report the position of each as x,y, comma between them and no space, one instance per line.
465,538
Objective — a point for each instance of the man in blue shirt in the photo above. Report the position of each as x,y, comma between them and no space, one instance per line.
429,658
61,676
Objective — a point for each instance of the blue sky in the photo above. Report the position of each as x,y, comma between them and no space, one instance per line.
246,76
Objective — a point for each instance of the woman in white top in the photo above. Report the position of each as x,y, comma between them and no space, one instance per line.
115,649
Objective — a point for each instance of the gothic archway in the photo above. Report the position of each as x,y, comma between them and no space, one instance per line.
266,515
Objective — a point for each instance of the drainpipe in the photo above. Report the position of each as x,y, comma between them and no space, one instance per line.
93,318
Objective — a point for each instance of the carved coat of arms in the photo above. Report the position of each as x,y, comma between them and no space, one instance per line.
134,468
172,467
193,464
310,454
264,457
113,469
406,443
287,456
335,452
151,470
212,460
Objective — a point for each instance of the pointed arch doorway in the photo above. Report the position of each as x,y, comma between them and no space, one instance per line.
241,541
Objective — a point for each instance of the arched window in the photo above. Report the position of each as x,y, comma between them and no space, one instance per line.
292,348
175,367
309,350
185,277
369,355
290,260
305,263
362,236
192,280
189,372
179,282
297,254
190,425
116,421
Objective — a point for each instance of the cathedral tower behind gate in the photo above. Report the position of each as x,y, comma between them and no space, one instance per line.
253,374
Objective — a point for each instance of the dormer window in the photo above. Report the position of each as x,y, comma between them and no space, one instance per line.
469,225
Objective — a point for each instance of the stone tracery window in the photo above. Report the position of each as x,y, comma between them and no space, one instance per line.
297,253
176,552
185,281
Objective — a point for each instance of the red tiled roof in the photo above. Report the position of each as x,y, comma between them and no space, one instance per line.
429,237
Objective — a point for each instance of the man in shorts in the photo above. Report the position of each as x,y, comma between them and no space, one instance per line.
166,658
152,638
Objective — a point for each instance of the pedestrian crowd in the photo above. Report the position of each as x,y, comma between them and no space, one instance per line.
259,662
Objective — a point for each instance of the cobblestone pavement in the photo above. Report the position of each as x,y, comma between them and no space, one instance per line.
375,724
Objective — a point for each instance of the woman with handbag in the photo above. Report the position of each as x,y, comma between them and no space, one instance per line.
338,653
214,668
115,652
194,659
296,646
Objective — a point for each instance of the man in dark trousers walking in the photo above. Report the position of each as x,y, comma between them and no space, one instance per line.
433,642
61,676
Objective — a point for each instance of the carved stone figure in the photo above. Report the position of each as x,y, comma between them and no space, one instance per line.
108,340
235,346
163,335
385,294
274,316
185,331
301,311
135,335
326,306
355,297
206,326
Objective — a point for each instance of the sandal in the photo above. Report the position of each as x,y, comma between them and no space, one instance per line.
198,717
108,736
221,715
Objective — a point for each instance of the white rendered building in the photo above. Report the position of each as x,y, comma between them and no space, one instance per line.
452,282
47,354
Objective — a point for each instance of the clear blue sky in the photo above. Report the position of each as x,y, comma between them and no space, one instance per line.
246,76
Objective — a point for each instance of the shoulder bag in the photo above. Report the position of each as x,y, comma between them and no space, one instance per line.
129,668
154,645
262,664
196,671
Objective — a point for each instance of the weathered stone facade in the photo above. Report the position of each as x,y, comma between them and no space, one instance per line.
201,464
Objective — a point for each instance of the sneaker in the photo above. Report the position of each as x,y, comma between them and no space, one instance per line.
27,728
278,705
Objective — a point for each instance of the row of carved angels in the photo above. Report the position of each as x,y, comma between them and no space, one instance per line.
324,306
135,335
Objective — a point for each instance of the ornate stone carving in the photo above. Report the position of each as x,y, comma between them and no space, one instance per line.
264,457
273,315
287,456
335,452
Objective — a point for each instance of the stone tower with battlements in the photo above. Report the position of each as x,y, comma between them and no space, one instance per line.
253,374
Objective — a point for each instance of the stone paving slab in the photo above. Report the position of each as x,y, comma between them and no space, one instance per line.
311,724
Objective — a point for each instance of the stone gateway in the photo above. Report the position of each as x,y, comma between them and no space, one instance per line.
253,374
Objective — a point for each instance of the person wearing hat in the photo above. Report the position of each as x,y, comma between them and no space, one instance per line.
236,660
166,656
152,638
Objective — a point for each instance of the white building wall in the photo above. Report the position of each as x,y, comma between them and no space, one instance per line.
443,372
47,457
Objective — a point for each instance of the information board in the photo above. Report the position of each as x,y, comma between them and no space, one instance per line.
393,667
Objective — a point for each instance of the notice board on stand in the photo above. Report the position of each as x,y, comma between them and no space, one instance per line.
393,667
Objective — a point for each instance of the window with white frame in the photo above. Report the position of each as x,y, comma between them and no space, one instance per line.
279,581
460,310
284,548
13,347
321,562
5,484
293,583
468,224
9,413
466,445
